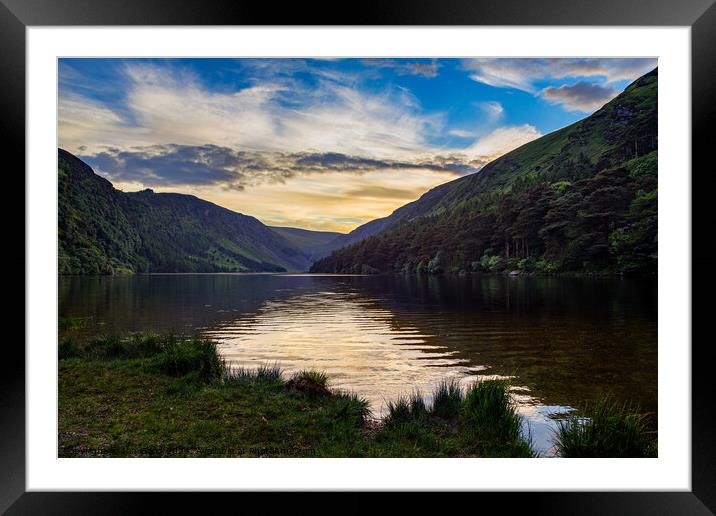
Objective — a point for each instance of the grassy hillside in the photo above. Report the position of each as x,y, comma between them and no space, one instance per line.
583,198
95,235
314,244
105,231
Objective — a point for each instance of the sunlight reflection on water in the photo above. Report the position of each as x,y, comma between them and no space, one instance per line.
562,341
362,349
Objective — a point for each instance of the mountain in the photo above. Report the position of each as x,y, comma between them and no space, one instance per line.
403,214
314,244
583,198
105,231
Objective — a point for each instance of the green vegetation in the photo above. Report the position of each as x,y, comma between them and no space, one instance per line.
606,429
482,423
95,235
105,231
316,377
583,198
146,395
163,396
447,399
314,244
195,357
488,419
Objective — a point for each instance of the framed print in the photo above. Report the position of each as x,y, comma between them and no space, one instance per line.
421,249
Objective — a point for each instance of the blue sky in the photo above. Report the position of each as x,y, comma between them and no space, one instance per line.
318,143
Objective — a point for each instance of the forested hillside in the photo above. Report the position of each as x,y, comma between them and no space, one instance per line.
105,231
583,198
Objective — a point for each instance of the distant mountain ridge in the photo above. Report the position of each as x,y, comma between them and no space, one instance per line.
314,244
405,213
583,198
105,231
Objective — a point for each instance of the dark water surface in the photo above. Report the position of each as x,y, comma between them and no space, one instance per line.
563,340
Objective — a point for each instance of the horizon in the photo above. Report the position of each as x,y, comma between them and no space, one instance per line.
315,144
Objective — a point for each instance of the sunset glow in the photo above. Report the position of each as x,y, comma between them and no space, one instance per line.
317,144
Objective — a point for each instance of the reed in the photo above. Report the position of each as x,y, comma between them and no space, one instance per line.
606,428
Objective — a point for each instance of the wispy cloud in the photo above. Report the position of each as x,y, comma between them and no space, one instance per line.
492,107
382,192
524,73
318,143
489,114
171,106
406,67
501,141
462,133
88,123
177,132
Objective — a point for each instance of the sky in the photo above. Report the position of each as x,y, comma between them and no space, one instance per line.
322,144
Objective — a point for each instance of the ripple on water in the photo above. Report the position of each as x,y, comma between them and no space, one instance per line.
362,349
566,339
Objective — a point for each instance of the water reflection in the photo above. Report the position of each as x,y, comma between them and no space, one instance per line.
564,340
362,346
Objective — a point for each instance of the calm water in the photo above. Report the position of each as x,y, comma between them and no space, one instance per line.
563,340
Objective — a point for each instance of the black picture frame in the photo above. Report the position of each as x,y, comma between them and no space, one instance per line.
700,15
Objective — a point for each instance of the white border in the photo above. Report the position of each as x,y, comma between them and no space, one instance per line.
671,471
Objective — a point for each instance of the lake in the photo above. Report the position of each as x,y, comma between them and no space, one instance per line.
561,340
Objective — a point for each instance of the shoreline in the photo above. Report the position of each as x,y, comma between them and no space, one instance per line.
151,383
382,274
145,395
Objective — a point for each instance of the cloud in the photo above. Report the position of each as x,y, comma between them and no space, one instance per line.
330,114
383,192
582,96
405,67
500,74
351,141
329,201
460,133
174,164
501,141
493,109
523,73
164,165
82,122
492,112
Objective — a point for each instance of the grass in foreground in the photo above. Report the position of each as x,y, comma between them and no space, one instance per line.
163,396
151,396
606,428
